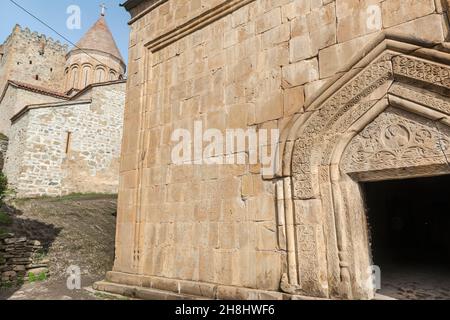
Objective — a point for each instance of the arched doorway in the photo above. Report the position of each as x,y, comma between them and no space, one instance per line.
387,118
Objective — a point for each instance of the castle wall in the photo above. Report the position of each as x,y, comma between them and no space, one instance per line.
251,66
68,148
33,58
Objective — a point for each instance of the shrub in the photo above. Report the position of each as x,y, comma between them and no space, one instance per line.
5,220
3,185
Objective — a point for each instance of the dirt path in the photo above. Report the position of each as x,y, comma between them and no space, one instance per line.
76,230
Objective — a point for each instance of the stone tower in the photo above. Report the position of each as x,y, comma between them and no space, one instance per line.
32,58
95,59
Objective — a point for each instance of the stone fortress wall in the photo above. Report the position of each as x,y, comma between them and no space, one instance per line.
231,64
59,147
33,58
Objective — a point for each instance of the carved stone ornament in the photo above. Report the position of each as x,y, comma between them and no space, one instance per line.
336,107
384,118
396,139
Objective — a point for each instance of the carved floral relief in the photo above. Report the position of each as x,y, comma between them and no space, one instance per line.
396,139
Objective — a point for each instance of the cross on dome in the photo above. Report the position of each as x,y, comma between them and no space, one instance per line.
103,9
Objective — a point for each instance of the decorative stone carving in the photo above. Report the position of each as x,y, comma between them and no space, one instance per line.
339,104
396,139
346,98
342,124
418,69
430,100
372,127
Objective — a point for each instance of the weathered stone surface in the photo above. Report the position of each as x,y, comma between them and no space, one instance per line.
300,73
260,64
398,11
21,60
364,20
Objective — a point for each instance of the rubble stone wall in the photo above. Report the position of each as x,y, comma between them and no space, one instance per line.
19,257
57,148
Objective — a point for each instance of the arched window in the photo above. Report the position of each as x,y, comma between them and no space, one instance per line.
86,76
66,79
100,75
112,75
74,78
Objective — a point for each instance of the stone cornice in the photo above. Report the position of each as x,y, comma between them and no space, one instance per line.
383,42
195,24
94,85
31,88
27,108
132,4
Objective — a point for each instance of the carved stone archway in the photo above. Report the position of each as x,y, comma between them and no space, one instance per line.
388,117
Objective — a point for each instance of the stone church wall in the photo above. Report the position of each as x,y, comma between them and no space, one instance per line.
15,100
15,153
57,148
246,64
33,58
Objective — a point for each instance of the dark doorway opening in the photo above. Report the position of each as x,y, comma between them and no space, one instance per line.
409,224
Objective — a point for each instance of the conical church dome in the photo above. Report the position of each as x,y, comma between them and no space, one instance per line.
99,37
95,59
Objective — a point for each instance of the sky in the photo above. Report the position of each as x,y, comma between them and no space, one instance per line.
54,13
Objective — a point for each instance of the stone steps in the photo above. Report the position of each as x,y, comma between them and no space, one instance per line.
142,293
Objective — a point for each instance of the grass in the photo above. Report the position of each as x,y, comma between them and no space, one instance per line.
85,196
70,197
106,296
21,281
37,278
6,284
3,231
12,284
40,255
5,219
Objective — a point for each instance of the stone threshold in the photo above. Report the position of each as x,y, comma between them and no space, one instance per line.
139,292
156,288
